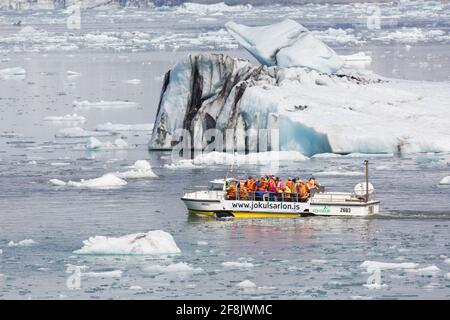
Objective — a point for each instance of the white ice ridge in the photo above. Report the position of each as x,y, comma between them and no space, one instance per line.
12,73
108,126
140,169
107,181
286,44
22,243
104,104
95,144
68,117
445,180
151,242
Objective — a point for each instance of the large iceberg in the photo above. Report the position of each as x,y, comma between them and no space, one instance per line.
316,106
286,44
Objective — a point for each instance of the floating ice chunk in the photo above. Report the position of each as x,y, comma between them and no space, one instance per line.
105,274
68,117
237,264
182,164
426,270
445,180
108,126
133,81
179,267
27,30
135,288
1,252
72,74
358,60
202,9
319,261
15,73
246,284
140,169
447,260
373,265
95,144
107,181
375,286
22,243
286,44
340,173
57,182
447,275
152,242
77,132
104,104
60,164
202,243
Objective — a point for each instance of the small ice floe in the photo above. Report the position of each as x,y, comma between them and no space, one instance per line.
77,132
22,243
447,275
152,242
67,118
319,261
104,274
373,265
339,173
95,144
15,73
202,243
72,74
140,169
430,270
137,288
447,260
104,104
237,264
57,182
182,164
1,251
180,267
60,164
375,286
108,126
445,180
246,284
133,81
107,181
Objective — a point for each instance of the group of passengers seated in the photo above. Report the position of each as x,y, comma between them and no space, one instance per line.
271,188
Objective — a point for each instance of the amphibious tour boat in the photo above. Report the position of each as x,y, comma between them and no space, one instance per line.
216,202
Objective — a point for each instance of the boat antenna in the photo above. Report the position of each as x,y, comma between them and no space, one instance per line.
366,163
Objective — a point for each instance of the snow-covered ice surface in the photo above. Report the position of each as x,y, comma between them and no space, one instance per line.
288,256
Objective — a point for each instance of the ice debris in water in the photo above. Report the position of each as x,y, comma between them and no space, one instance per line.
68,117
22,243
140,169
430,270
237,264
132,81
77,132
12,73
180,267
246,284
108,126
152,242
95,144
202,9
107,181
286,44
72,74
445,180
104,104
373,265
104,274
339,173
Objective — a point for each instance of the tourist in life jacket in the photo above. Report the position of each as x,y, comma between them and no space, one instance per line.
272,189
287,193
250,185
296,189
279,186
312,185
303,191
243,194
231,191
260,189
288,183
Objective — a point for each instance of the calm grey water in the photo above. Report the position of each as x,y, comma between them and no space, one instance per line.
292,258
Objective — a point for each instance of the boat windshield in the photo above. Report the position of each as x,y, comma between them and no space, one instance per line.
214,186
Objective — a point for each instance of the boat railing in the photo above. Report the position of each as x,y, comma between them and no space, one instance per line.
333,197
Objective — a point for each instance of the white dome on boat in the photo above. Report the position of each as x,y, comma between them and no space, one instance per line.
360,189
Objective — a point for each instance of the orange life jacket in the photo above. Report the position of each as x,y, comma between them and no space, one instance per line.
231,191
289,184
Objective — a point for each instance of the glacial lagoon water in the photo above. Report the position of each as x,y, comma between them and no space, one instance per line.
286,259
